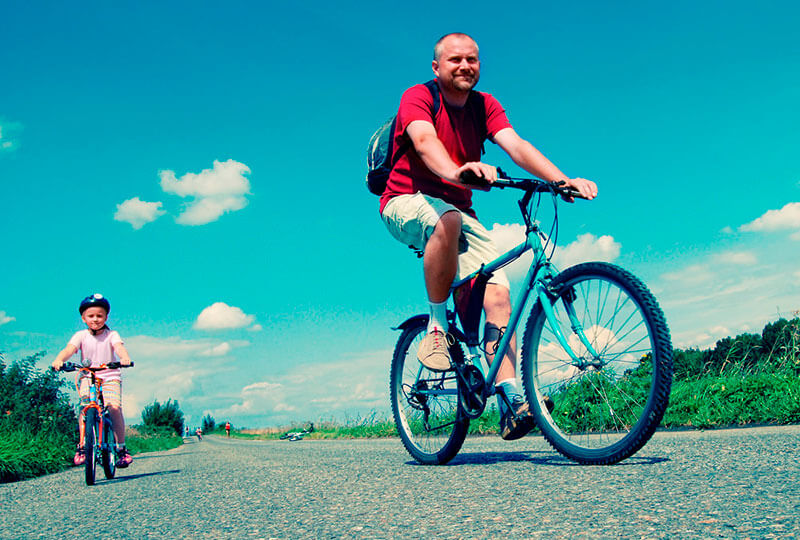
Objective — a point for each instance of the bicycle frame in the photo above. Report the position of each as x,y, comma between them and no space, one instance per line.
95,396
535,284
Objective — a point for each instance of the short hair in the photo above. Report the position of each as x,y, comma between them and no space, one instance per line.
437,48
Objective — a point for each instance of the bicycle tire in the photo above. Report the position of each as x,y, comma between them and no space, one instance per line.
433,437
90,445
606,412
108,452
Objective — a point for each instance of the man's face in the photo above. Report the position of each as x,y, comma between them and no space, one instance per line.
457,66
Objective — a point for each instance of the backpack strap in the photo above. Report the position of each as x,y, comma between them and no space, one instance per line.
433,88
478,110
479,116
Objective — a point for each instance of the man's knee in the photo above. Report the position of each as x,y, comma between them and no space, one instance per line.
497,300
448,227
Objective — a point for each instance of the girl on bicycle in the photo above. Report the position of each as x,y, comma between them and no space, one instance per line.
99,343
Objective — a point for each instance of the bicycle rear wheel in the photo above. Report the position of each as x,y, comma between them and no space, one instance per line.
108,451
90,445
425,403
608,403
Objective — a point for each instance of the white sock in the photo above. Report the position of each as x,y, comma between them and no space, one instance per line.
510,388
438,317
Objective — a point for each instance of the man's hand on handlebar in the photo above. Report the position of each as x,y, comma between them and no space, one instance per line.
477,175
586,188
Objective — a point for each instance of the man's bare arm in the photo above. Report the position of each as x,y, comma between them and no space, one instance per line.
434,155
529,158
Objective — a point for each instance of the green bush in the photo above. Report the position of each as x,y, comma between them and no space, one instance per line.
167,414
38,427
208,424
33,400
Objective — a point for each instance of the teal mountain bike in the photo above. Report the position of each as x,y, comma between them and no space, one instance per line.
595,362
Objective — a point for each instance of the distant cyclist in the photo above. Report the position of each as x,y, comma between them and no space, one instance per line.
426,206
99,343
228,429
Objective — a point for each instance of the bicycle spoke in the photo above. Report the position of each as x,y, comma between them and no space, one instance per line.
604,397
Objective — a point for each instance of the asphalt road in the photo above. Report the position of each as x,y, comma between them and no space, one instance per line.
727,484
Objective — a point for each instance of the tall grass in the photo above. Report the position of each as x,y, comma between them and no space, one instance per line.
24,454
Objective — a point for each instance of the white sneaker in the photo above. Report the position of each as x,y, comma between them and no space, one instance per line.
433,352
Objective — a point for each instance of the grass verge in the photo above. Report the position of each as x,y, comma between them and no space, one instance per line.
141,439
27,455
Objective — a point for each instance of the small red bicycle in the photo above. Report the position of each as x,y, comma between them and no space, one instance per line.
99,441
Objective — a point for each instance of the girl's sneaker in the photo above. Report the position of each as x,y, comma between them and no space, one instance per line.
80,456
124,458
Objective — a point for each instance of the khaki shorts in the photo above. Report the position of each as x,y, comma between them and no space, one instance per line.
411,219
112,392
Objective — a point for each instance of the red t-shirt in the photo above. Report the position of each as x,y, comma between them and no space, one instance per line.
455,127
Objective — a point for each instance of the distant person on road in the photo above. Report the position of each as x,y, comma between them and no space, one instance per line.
228,429
427,206
99,344
199,433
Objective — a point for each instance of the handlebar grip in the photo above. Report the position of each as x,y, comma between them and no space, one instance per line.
470,178
115,365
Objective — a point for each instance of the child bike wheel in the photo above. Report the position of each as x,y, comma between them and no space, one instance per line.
108,453
90,445
605,409
425,403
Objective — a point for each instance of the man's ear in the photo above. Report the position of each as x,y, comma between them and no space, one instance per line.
435,67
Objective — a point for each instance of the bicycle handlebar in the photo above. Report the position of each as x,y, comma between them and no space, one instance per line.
532,185
72,366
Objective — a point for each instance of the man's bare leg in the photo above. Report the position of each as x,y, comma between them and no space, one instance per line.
440,264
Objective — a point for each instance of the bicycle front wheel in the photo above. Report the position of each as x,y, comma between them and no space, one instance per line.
609,399
109,449
425,403
90,445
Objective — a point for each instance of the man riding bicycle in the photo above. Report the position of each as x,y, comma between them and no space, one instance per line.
426,206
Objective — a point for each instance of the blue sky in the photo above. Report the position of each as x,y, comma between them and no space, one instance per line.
202,165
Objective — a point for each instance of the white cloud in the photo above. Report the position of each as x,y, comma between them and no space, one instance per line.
8,135
5,318
506,237
215,191
587,247
736,257
137,212
691,275
176,348
218,350
787,217
310,391
220,316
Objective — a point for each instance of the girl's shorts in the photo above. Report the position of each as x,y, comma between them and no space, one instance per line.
112,391
411,219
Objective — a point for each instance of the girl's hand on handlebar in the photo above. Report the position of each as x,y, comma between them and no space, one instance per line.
56,365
